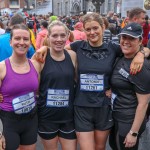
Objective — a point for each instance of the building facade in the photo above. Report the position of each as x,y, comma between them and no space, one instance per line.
43,7
74,7
71,7
9,6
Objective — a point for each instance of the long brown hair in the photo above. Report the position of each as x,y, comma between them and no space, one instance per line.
92,17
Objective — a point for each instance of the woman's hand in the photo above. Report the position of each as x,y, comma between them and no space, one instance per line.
130,140
137,63
2,143
40,54
108,93
1,98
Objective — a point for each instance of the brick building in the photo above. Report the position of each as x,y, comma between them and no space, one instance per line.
8,6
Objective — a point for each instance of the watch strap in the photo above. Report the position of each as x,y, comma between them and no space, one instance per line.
135,134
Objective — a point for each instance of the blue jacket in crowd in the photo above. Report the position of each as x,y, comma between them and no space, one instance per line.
6,49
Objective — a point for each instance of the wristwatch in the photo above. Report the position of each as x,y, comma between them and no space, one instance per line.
1,134
135,134
143,52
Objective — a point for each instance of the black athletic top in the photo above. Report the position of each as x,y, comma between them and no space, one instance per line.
56,94
125,86
95,66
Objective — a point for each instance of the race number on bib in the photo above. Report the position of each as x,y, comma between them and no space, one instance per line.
91,82
57,98
24,104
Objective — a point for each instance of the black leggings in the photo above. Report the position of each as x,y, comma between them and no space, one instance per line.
117,137
116,141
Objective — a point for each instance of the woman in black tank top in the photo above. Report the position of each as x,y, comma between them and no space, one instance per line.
56,92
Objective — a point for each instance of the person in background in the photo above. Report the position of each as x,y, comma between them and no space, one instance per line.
107,33
114,21
69,24
52,18
146,30
137,15
70,37
42,34
130,93
5,48
125,20
2,30
33,41
7,29
114,37
30,21
78,32
109,15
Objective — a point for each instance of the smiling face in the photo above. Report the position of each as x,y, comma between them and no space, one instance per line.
130,45
20,41
94,32
57,38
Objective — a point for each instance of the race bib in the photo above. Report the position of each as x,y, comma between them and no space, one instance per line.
24,104
113,96
57,98
91,82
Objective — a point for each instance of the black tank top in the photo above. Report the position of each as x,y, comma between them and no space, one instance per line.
56,94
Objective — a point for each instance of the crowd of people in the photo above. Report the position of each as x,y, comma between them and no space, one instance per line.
78,79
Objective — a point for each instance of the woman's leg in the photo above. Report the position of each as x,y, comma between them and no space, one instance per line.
101,139
27,147
68,144
86,140
50,144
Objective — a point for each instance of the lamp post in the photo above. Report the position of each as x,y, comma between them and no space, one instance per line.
97,4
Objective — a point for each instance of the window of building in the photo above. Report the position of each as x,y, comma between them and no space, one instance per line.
58,6
109,5
66,8
14,2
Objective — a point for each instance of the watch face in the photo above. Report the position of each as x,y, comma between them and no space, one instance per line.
134,134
